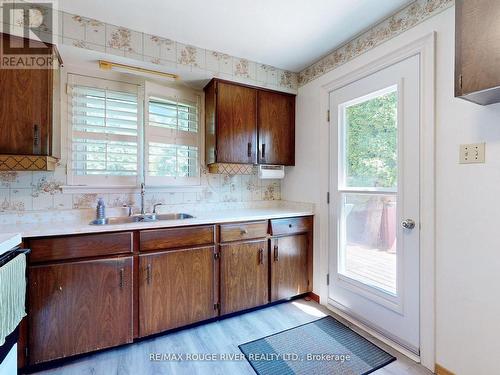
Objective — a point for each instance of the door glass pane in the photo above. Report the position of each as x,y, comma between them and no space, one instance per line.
368,240
370,139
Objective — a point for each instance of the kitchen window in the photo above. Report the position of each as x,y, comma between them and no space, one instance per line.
172,136
109,144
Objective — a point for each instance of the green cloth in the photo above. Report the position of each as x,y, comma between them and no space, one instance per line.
12,295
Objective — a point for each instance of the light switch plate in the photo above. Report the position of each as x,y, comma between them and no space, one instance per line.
472,153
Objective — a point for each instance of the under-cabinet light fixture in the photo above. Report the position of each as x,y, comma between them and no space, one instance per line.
108,65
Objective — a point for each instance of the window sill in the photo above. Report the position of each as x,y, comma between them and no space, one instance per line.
87,189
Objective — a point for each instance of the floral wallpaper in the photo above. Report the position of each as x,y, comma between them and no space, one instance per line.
35,191
412,15
91,34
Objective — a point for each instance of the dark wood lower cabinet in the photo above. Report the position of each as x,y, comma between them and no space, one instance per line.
244,275
151,281
176,288
289,266
78,307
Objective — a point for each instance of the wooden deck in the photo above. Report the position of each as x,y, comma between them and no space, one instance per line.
372,266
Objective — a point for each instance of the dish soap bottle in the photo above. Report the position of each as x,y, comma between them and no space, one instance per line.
101,212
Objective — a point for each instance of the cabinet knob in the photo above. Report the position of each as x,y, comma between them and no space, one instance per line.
290,225
244,231
60,288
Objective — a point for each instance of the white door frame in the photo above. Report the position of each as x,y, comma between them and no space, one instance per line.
425,48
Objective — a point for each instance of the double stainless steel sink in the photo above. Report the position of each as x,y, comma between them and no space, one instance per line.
147,218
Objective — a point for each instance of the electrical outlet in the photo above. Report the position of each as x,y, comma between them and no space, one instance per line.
472,153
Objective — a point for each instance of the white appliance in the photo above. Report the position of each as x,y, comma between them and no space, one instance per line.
9,244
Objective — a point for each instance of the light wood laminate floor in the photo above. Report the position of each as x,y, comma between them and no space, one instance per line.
222,336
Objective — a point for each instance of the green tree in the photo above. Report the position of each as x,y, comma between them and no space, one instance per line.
371,141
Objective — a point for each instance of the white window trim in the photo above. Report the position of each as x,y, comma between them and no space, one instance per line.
102,180
124,184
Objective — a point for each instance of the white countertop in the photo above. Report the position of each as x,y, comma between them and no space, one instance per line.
212,217
8,241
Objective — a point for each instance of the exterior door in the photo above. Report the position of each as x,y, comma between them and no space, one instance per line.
78,307
244,275
374,267
176,288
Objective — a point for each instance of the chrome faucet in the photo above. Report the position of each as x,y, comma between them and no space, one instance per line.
156,205
129,208
143,191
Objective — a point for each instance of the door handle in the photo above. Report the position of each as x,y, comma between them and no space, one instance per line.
408,224
148,274
261,256
276,253
249,151
263,151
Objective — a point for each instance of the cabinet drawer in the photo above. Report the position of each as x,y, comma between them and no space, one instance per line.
291,225
159,239
81,246
243,231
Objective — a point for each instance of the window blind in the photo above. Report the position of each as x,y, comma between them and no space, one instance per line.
172,141
104,133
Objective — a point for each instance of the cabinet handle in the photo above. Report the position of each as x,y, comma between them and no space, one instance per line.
148,274
263,151
122,271
261,256
249,151
36,139
276,253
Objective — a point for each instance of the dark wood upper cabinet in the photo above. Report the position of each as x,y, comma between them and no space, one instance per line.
243,275
235,124
248,125
176,288
276,128
78,307
289,266
477,55
29,104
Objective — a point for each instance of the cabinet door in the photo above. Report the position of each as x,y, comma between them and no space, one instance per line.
236,124
289,266
244,275
276,128
78,307
176,288
477,54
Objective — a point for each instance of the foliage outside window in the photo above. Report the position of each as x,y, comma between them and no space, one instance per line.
371,142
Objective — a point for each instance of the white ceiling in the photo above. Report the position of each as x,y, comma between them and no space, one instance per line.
288,34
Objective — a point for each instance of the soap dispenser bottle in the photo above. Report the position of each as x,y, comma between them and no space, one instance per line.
101,212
